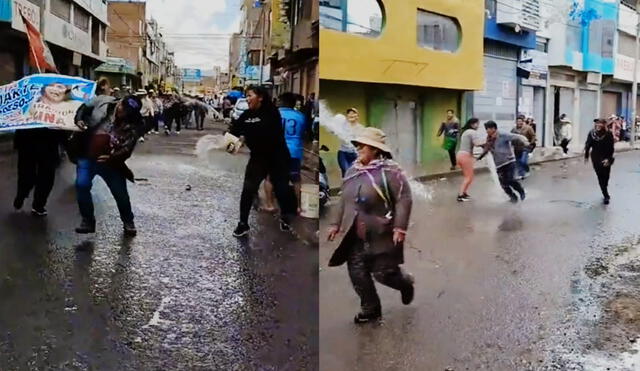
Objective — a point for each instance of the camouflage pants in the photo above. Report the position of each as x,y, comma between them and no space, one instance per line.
362,267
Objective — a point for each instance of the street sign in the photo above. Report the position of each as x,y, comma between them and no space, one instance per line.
191,75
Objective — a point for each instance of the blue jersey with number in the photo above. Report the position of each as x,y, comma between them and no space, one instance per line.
294,125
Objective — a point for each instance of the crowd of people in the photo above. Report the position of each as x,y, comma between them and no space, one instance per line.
114,121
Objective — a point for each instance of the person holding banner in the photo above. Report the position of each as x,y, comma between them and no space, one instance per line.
38,158
106,147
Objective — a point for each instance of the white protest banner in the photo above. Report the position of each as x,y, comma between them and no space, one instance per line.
43,100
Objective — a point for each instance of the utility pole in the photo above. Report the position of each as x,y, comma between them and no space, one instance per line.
263,20
634,88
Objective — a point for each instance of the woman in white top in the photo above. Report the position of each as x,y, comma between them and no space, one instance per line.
468,140
347,153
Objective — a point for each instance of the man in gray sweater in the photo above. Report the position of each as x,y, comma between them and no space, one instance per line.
501,147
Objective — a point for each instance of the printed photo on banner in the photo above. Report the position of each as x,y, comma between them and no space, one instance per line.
43,100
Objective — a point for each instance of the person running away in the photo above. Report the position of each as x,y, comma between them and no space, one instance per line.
371,223
600,146
522,152
260,127
501,147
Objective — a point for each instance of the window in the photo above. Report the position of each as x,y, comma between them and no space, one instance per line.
438,32
81,18
61,9
626,45
608,34
490,7
361,17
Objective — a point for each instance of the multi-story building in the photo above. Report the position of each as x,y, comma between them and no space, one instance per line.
294,45
402,76
127,36
581,52
74,30
138,40
510,42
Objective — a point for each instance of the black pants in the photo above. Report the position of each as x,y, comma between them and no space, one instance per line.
506,175
363,270
278,172
156,121
452,156
148,123
200,120
603,173
565,145
37,169
169,119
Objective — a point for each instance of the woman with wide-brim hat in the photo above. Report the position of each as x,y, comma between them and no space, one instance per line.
371,223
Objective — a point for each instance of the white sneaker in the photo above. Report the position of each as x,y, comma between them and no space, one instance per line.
177,133
141,140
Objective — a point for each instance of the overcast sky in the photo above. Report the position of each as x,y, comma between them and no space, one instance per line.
197,17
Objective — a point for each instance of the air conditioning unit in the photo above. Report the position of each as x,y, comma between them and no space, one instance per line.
519,14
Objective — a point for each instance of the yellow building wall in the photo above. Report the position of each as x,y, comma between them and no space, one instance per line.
432,102
395,56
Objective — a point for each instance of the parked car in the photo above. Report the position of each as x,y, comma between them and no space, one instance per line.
240,106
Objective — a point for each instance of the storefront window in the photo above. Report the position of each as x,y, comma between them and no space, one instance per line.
438,32
361,17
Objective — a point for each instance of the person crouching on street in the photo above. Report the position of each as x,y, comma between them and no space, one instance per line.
501,147
600,146
107,147
371,224
260,127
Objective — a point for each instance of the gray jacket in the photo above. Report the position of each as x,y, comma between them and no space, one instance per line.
95,111
502,147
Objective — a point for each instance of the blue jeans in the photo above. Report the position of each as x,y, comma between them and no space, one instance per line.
345,160
117,183
523,162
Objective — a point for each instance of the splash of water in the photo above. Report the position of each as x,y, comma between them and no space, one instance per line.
212,150
337,125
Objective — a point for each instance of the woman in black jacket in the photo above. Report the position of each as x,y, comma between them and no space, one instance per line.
600,145
260,127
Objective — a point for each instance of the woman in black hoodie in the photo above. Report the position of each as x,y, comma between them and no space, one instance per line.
260,127
600,145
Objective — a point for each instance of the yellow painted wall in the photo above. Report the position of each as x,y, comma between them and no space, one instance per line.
396,58
340,95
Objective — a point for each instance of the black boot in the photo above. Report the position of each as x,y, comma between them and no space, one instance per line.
361,318
86,227
130,229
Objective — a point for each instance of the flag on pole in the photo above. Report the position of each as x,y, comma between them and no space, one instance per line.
39,54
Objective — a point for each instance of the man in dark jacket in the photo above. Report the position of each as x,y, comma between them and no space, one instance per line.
38,158
600,145
260,127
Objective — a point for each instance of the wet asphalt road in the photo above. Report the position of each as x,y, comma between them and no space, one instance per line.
183,294
551,283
